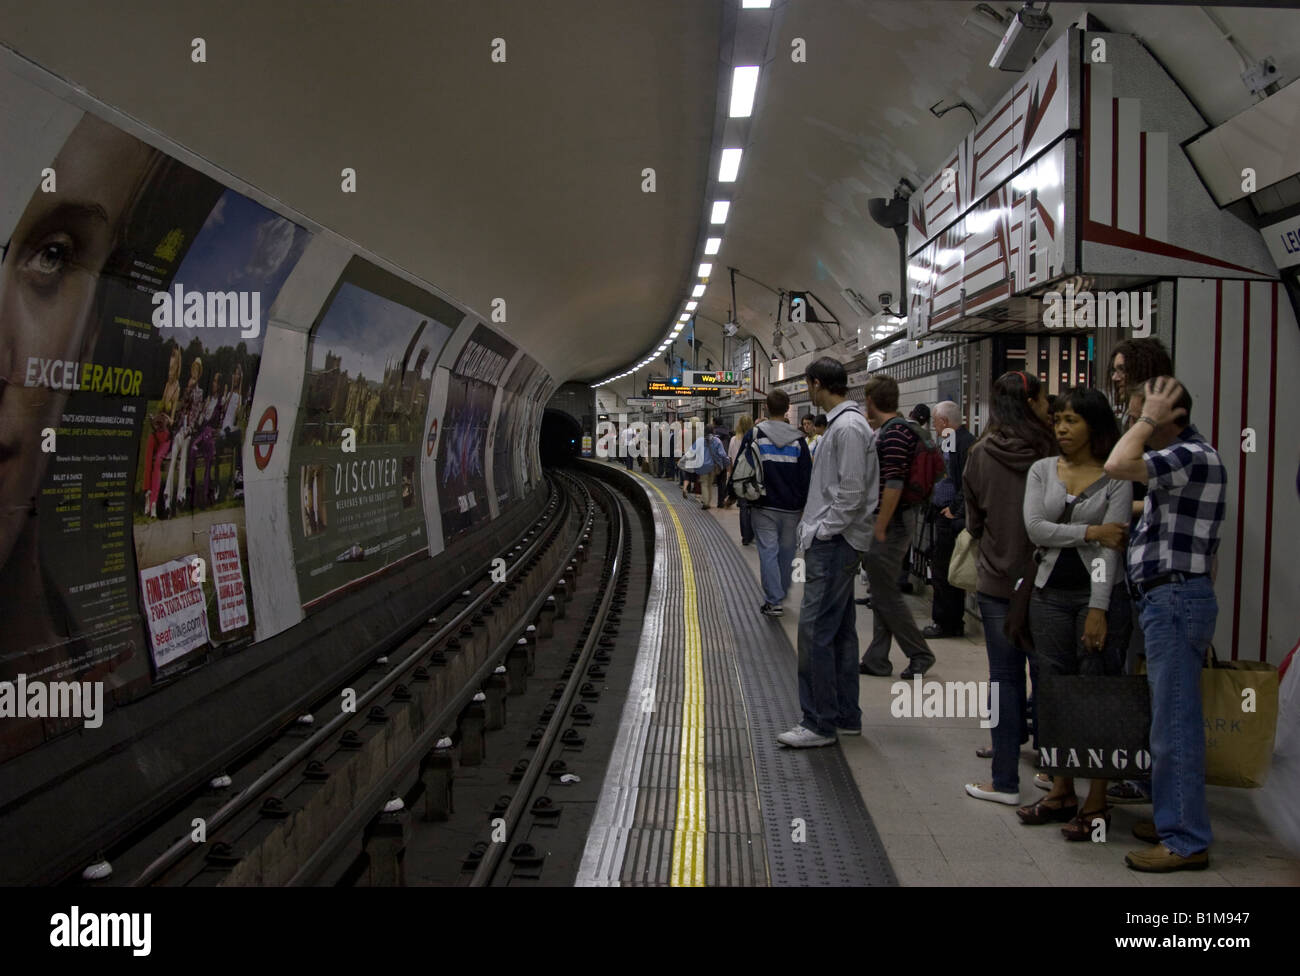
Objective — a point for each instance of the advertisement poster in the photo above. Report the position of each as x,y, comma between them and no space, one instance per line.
209,327
228,577
543,396
110,224
173,605
514,445
471,388
526,445
355,501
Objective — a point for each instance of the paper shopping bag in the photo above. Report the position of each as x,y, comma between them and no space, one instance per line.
1239,705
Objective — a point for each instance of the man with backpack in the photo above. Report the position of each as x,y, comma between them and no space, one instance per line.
772,472
707,459
910,464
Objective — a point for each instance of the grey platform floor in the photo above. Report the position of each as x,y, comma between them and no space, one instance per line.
910,773
772,815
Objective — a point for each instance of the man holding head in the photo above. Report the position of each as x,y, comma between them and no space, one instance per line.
834,533
1169,561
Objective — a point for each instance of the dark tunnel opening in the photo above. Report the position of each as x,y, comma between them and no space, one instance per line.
561,438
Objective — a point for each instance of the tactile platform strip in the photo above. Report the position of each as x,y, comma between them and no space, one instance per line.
617,850
801,792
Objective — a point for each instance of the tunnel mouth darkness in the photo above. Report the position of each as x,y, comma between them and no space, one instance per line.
561,438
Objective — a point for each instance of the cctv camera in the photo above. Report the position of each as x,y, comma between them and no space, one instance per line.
886,298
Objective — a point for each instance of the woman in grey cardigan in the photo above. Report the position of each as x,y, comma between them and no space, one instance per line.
1078,518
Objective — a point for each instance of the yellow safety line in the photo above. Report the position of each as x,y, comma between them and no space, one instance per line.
691,827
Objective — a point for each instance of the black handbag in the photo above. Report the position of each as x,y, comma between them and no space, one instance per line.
1094,726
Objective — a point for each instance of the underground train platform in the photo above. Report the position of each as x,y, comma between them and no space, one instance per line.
624,444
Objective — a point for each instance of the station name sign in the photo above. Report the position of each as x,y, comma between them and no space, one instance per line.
1283,240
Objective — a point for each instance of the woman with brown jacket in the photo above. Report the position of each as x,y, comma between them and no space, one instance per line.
994,485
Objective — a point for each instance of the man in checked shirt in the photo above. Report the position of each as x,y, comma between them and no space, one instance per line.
1169,561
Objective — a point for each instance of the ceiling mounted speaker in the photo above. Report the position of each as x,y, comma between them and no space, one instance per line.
893,214
888,213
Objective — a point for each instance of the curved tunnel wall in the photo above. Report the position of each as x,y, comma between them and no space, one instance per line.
219,423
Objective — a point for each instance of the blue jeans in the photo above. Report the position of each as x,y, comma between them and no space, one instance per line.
1178,624
828,638
775,535
1007,674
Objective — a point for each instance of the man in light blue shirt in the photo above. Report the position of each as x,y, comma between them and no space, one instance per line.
834,534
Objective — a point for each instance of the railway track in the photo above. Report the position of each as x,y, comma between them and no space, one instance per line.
321,796
536,777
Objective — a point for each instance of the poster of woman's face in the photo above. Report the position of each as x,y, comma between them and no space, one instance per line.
48,288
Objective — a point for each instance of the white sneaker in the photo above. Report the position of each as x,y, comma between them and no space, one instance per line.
804,738
1010,799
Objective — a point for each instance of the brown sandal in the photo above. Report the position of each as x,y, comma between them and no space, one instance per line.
1082,826
1041,812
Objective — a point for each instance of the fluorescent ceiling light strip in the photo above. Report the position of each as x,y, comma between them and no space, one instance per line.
712,244
697,291
744,83
720,208
730,165
705,270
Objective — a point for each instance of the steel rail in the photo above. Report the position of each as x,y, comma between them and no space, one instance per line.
487,867
236,804
365,808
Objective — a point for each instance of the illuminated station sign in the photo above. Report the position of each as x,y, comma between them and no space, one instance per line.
695,383
715,379
661,388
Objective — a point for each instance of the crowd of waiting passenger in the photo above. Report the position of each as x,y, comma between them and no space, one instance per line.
1095,528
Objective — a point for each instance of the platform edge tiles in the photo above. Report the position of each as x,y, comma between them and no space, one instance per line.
713,686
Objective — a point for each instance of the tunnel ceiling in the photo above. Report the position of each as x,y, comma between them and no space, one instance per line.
522,180
841,129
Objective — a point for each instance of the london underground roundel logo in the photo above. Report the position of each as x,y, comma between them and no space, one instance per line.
432,440
264,438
